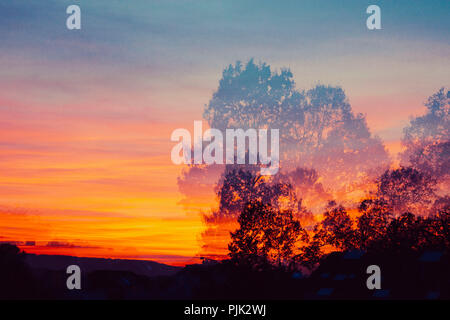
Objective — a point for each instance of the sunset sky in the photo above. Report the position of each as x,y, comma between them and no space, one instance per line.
86,115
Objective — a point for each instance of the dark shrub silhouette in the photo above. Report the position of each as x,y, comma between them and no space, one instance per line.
16,280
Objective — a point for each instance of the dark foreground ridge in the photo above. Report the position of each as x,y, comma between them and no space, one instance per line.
341,275
60,262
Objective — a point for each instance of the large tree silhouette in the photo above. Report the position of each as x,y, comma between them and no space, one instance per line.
265,235
336,228
238,186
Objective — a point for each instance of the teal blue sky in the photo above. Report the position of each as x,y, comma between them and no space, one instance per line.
172,52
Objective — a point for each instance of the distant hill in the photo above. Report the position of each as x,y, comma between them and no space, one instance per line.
341,275
87,265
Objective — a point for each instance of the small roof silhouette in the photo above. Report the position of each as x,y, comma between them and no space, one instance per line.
353,255
325,291
381,293
431,256
340,277
433,295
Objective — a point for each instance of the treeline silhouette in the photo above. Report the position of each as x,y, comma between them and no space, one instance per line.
269,234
